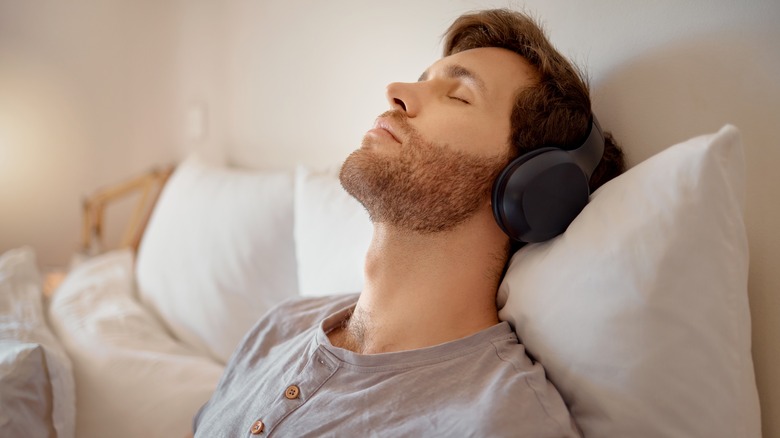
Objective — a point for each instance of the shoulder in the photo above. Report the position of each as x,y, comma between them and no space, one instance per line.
315,307
286,325
516,395
291,318
308,311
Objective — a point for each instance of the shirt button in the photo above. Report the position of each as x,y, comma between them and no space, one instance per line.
257,427
292,392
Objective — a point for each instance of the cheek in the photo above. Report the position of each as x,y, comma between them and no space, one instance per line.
476,135
471,130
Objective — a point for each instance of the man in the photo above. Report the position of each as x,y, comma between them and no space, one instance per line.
421,350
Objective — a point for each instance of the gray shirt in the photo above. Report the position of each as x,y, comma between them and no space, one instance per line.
286,379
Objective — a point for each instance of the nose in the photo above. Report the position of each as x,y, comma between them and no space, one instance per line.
402,96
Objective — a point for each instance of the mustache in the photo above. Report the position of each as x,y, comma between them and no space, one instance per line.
400,122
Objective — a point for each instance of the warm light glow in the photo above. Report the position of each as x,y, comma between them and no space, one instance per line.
23,118
40,133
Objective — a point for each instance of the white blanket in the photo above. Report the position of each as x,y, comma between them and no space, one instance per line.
133,379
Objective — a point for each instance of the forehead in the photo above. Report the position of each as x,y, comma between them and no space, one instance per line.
500,70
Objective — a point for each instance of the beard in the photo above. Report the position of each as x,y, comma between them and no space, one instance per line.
425,188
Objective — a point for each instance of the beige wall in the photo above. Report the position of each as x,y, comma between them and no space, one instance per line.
86,98
92,92
96,90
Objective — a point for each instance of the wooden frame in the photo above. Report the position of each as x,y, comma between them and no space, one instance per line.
149,184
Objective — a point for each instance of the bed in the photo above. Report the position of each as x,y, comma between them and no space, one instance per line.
646,330
146,332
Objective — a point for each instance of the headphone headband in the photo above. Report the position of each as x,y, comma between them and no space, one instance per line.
589,154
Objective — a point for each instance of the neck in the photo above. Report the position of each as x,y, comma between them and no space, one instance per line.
426,289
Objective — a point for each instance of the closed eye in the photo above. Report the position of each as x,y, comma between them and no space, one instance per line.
459,99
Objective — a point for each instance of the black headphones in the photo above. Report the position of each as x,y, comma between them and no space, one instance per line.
539,194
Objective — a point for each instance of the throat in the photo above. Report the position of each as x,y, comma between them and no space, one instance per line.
350,334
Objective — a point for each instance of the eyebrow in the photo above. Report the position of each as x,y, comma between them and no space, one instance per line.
456,71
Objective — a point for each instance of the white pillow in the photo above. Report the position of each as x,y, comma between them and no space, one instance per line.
37,392
639,312
332,234
218,253
133,379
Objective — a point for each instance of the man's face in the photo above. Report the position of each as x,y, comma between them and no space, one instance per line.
429,163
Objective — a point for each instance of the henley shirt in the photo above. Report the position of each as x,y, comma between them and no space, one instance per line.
287,380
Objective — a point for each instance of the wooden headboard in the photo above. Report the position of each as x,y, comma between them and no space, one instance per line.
149,185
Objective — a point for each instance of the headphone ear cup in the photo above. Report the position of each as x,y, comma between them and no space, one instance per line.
539,194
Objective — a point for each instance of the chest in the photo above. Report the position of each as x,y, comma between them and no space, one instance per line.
306,391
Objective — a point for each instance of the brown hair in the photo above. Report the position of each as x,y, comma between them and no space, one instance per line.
555,112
